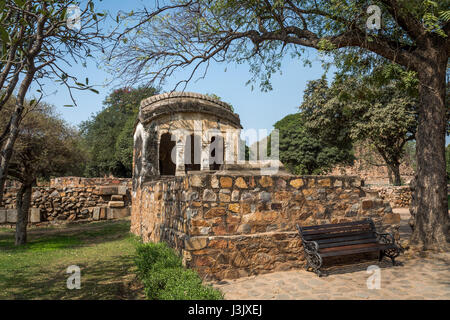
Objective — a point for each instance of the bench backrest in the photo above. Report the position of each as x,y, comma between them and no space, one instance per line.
341,233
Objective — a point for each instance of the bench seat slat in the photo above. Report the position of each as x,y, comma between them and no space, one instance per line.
366,235
335,235
345,243
354,250
337,229
333,225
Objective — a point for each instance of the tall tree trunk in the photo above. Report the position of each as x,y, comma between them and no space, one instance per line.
431,226
23,205
16,117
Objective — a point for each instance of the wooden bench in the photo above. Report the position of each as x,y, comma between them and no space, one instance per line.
331,240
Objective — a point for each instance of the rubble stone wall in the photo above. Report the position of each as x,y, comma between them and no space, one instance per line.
398,197
229,226
72,198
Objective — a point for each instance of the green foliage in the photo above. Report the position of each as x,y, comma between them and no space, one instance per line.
303,152
380,110
46,145
164,277
108,136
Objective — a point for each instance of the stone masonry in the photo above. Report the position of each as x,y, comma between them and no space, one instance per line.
229,226
72,198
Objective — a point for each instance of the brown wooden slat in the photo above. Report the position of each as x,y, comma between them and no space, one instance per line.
334,235
366,235
346,243
349,247
354,251
321,226
337,229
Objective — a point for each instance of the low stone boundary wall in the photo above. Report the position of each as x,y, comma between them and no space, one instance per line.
398,197
228,226
71,201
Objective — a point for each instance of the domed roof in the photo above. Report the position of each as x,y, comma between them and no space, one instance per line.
175,102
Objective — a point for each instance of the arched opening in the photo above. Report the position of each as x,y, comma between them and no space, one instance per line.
166,166
216,152
192,153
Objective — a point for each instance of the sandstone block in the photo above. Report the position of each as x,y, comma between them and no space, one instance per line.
215,212
116,204
214,182
108,190
35,215
196,180
3,215
117,197
240,183
109,213
224,196
234,207
265,181
96,213
118,213
297,183
195,243
103,213
226,182
209,195
11,215
324,182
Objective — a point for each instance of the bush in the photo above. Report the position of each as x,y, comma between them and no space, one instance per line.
165,278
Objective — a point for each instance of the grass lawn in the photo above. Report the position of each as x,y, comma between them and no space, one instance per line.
103,251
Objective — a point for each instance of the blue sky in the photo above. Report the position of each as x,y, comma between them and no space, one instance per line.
258,110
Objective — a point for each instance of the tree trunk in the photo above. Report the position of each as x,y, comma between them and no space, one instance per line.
395,172
7,148
431,226
16,117
23,205
389,170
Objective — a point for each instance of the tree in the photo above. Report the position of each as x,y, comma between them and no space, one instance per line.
38,37
447,159
413,34
305,153
108,135
46,146
383,116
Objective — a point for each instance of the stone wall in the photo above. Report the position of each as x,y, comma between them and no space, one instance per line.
72,198
228,226
398,197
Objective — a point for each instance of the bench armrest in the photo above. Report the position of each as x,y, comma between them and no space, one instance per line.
309,246
387,238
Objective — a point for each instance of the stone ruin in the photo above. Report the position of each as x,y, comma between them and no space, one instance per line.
192,189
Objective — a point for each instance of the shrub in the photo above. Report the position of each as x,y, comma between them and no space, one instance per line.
165,278
151,257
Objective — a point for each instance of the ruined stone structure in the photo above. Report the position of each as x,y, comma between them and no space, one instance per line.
225,220
72,198
182,132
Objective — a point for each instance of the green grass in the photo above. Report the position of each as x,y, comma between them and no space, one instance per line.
104,251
